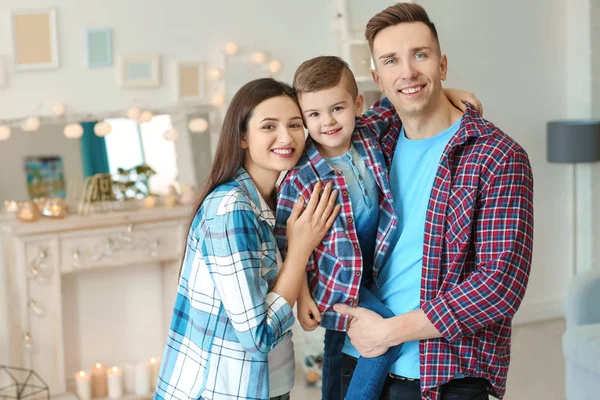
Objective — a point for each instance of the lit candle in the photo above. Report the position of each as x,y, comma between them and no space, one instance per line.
11,206
129,378
154,366
149,201
115,382
142,379
99,381
84,386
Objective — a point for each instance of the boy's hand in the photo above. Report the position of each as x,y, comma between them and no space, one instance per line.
459,99
308,313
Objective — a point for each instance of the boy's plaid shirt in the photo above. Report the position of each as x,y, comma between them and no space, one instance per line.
335,267
477,252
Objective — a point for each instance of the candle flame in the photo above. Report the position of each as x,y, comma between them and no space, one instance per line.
98,365
81,373
153,360
115,369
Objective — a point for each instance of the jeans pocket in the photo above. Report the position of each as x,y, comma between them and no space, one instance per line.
347,367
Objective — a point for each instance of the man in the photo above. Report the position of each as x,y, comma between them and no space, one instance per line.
458,267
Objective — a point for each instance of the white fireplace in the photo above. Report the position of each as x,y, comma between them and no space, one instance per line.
88,289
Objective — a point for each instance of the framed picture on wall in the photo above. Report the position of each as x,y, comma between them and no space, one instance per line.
137,71
190,81
98,47
35,43
45,176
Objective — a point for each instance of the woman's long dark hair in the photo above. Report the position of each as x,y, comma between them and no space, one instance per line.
229,156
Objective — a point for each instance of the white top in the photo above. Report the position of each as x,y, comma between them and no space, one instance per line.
282,368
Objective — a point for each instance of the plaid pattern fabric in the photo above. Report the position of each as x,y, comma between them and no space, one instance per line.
226,319
335,267
477,253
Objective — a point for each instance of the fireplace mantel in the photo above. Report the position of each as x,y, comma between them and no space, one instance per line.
34,256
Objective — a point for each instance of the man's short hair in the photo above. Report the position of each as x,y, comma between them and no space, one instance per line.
397,14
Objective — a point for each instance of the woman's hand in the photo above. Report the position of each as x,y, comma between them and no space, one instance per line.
460,98
305,229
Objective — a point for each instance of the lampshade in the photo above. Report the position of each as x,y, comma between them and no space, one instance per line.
573,141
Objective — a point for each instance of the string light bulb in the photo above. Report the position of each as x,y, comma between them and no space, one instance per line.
171,135
231,49
146,116
4,132
133,113
259,58
198,125
31,124
101,129
218,100
73,131
215,74
59,109
274,66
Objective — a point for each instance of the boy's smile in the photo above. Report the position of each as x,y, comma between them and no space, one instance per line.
329,115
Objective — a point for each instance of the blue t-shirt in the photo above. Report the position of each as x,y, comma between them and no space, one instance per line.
411,179
364,198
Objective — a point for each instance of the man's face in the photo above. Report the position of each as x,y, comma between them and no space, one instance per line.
409,67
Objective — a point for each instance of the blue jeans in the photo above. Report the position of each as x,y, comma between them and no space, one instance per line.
370,373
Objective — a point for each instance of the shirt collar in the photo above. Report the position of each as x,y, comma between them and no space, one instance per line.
257,202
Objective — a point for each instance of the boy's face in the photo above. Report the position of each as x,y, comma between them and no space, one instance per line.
410,68
329,116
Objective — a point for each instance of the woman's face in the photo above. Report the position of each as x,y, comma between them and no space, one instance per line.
275,137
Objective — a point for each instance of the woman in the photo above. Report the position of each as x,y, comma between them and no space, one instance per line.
229,335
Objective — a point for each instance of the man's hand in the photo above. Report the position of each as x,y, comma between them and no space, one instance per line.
368,331
308,313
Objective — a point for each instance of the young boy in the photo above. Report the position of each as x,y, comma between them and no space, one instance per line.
342,148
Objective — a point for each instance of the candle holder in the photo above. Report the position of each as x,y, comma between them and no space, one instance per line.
24,383
55,208
29,212
40,202
11,206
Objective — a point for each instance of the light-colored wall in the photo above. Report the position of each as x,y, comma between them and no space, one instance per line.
177,30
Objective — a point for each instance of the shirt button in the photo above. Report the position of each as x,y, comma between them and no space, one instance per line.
345,193
378,147
350,220
366,192
360,177
358,273
356,246
338,173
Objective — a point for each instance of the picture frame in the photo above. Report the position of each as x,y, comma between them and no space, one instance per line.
190,80
98,47
34,39
138,71
45,176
